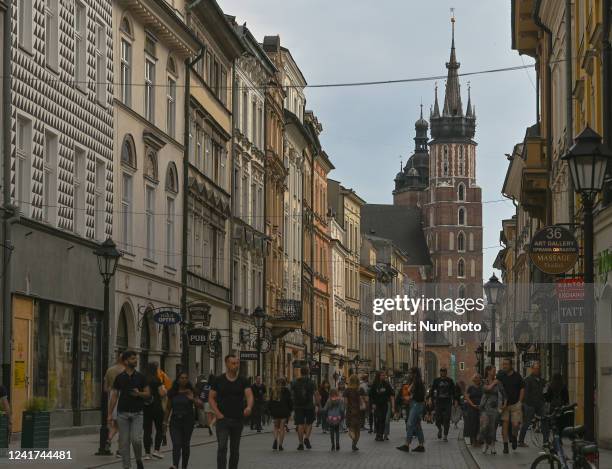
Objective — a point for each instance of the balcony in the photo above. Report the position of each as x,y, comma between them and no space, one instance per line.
287,318
534,180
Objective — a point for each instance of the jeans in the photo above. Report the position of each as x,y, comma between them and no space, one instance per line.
181,429
150,417
528,413
334,434
256,417
443,415
380,419
130,432
413,423
228,429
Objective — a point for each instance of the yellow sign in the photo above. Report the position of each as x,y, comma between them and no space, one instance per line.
20,375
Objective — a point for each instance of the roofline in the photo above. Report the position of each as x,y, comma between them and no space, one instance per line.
321,154
230,40
262,56
284,49
352,194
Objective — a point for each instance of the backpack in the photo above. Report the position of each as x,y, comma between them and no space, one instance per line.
301,395
334,415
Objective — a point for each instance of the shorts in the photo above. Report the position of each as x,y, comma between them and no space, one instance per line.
513,412
207,408
304,416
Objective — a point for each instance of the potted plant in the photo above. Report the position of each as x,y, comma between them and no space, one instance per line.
36,422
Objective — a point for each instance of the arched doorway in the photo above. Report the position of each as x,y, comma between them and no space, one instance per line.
122,331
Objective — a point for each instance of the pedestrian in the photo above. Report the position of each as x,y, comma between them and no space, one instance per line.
180,414
109,380
227,398
259,398
355,405
130,390
429,407
334,412
403,399
556,396
153,413
304,406
416,408
206,416
323,396
512,414
280,406
491,405
472,397
534,402
381,396
366,414
443,389
457,410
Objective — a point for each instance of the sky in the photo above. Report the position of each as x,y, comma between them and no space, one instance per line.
367,131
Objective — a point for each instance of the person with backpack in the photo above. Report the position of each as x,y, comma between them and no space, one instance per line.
304,407
443,389
153,413
334,411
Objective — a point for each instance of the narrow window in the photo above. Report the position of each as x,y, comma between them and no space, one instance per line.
50,178
170,232
80,185
24,26
461,161
445,162
462,216
23,165
99,200
126,72
461,242
171,107
126,212
149,90
51,32
150,221
245,112
100,53
461,192
461,268
80,48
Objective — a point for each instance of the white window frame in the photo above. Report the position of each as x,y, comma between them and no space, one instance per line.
79,203
171,107
50,167
170,231
149,92
100,54
127,209
80,44
24,24
126,71
100,200
150,222
23,165
52,33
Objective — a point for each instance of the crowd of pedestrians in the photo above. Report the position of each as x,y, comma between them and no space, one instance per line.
144,407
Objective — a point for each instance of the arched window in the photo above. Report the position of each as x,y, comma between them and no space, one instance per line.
449,265
122,330
128,152
145,341
461,161
445,166
126,27
171,67
461,192
451,241
150,170
461,268
461,291
172,178
461,216
461,242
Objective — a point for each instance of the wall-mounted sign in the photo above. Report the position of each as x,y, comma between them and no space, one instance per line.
248,355
200,312
197,336
167,317
570,300
553,250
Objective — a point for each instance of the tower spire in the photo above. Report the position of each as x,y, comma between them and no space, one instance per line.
436,109
468,110
452,98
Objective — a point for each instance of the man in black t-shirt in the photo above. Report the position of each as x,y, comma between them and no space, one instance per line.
227,398
381,397
304,390
513,410
129,392
259,396
443,389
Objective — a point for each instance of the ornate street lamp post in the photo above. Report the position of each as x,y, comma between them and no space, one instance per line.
587,160
319,343
108,258
483,334
259,316
494,290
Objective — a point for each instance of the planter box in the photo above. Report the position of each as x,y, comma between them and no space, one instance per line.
35,430
4,435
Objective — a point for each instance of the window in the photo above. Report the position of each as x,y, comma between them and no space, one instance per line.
245,112
150,221
461,242
49,201
461,216
172,178
254,122
461,161
461,291
99,200
80,47
461,342
51,32
245,198
171,107
126,212
170,232
23,165
100,53
449,264
461,366
253,216
80,185
461,268
223,86
149,109
126,72
24,26
445,162
128,155
461,192
150,170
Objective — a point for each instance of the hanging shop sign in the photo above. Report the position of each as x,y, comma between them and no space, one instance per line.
166,317
200,312
197,336
570,300
553,250
248,355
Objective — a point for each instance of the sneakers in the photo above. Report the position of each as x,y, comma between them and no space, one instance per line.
493,449
404,448
485,449
300,447
354,447
506,448
440,434
280,447
522,444
419,449
157,454
445,438
275,445
307,443
333,448
147,457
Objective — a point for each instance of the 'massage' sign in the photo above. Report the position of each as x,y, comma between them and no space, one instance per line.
553,250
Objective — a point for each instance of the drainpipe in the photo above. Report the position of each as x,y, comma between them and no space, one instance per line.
8,208
569,103
232,224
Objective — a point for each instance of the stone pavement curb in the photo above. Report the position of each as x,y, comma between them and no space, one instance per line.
466,453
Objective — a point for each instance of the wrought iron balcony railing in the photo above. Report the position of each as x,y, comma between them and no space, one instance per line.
288,310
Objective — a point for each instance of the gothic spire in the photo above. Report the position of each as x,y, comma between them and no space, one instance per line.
436,109
452,98
468,111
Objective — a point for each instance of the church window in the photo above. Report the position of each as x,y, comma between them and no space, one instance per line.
445,161
461,192
461,268
461,162
451,241
450,267
461,242
462,216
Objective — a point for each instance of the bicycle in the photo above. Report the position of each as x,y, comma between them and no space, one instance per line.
585,455
535,432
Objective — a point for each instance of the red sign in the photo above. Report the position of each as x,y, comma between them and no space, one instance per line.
570,296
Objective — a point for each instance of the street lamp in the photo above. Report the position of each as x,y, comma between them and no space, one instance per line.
259,316
319,343
483,334
494,290
587,160
108,258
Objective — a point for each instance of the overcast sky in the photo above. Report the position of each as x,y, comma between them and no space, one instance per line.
368,130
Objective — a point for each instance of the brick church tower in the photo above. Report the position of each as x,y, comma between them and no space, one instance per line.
451,201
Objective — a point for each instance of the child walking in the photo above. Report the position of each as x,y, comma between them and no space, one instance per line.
334,409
